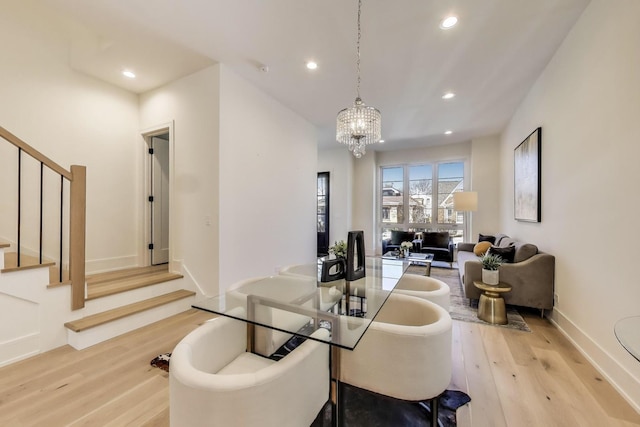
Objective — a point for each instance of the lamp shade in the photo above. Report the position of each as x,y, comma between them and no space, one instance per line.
465,201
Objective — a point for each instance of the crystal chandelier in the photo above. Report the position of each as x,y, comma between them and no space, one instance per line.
359,125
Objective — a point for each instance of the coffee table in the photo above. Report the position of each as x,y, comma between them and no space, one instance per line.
491,307
413,258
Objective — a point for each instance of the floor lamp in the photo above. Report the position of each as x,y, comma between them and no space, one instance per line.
465,201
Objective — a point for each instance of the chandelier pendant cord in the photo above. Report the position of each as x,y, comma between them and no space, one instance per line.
359,124
358,52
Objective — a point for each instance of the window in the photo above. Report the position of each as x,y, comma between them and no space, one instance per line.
392,197
424,207
420,194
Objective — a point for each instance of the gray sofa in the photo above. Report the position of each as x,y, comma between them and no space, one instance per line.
531,275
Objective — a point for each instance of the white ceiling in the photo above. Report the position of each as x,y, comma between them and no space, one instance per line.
490,59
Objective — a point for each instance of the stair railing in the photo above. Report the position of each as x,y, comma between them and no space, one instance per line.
77,215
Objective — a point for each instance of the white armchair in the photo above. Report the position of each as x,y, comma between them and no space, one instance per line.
268,340
215,382
405,353
425,287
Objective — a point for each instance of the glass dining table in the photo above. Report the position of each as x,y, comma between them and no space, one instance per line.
298,303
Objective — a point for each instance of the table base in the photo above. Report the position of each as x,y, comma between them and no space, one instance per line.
491,308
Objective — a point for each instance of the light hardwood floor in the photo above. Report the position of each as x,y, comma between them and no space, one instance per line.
514,379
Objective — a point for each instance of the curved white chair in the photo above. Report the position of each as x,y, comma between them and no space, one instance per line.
268,340
405,353
307,270
328,293
425,287
214,382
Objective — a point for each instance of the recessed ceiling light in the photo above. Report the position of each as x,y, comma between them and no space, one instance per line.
381,141
448,22
129,74
312,65
448,95
448,132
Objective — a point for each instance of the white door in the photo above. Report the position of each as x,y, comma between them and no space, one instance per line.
159,199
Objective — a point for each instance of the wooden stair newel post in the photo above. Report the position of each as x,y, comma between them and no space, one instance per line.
77,235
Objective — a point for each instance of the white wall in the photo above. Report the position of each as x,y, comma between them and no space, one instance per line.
255,182
364,201
485,180
339,163
588,103
268,181
192,103
72,119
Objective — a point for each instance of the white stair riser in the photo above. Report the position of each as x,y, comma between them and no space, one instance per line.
98,334
101,304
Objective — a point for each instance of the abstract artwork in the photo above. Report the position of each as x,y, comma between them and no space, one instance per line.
527,178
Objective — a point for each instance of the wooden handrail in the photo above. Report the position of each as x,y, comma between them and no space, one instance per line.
35,153
77,219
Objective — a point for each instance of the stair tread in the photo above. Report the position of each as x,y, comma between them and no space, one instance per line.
102,289
127,310
26,262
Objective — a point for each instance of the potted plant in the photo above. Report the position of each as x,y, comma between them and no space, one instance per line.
405,247
339,249
490,265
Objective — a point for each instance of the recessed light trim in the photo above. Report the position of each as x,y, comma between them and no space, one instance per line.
312,65
448,95
449,22
129,74
448,132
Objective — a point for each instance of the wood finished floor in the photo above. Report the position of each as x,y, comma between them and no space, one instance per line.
514,379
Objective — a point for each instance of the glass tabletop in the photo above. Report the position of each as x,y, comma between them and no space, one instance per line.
298,303
627,332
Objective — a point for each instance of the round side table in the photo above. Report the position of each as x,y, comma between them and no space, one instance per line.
491,307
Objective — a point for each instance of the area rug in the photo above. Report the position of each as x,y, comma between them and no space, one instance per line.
364,408
162,361
460,308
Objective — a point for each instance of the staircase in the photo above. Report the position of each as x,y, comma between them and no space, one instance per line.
43,305
122,300
116,302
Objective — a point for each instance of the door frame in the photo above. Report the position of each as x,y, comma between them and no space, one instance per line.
327,211
145,235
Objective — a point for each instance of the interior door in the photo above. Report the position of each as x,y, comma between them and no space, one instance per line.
159,199
323,213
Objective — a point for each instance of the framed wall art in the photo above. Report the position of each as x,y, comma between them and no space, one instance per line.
527,180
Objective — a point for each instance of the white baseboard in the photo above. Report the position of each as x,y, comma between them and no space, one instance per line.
94,266
19,348
617,375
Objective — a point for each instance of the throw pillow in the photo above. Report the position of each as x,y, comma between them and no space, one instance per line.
507,254
481,247
487,238
524,251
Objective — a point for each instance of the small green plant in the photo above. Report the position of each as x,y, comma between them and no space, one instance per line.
490,261
339,249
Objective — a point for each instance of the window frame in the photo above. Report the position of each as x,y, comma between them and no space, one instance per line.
433,225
